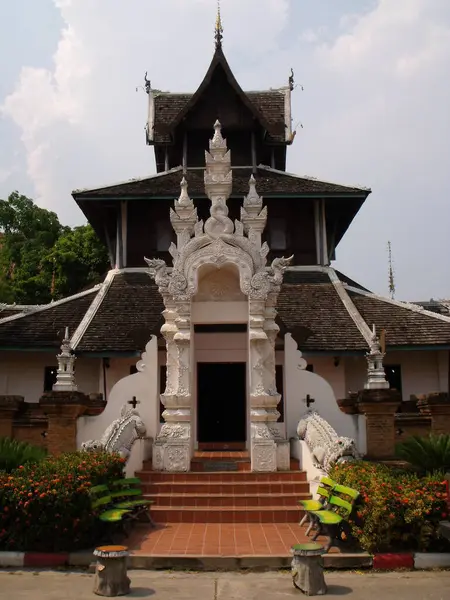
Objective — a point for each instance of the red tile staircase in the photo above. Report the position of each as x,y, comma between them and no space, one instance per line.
220,488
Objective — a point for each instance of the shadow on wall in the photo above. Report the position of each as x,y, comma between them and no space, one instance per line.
301,383
143,385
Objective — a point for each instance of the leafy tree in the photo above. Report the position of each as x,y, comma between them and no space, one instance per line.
78,259
40,259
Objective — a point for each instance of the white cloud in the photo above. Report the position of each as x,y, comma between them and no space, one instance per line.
82,123
375,109
380,104
5,174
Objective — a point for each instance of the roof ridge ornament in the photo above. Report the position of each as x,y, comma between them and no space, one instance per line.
218,35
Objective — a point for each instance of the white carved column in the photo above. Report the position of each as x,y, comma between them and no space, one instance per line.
173,446
268,451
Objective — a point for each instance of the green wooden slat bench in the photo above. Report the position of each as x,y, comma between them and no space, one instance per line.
326,487
331,519
109,514
125,493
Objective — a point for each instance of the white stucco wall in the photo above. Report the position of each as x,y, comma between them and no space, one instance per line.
332,370
22,373
118,368
144,386
422,371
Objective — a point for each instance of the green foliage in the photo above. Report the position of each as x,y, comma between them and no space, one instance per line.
79,260
426,454
14,453
40,260
397,511
46,507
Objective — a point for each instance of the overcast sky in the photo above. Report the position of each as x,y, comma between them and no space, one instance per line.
375,108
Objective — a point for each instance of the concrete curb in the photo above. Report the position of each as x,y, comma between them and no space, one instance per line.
392,561
386,562
182,562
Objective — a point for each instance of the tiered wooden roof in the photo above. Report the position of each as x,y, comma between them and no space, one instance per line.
119,316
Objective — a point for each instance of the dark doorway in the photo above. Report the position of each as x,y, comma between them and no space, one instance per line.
221,402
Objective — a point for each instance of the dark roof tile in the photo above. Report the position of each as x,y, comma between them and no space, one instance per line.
128,315
315,304
132,311
268,182
167,106
404,327
45,328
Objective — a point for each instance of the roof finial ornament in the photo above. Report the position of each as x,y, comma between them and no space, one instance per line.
218,140
291,80
219,29
184,199
147,83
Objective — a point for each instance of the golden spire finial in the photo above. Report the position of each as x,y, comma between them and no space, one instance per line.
219,29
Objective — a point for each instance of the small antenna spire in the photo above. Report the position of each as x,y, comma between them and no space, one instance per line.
219,28
391,273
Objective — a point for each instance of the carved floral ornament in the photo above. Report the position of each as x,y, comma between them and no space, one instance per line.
219,241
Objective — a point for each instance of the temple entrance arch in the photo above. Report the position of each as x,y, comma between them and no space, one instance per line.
222,266
220,346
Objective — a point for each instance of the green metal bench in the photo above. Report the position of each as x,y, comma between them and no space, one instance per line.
330,520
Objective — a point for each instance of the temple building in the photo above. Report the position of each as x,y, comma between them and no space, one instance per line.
225,258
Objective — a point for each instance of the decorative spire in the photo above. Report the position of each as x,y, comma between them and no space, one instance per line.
183,218
253,214
376,378
252,198
219,29
218,142
184,199
218,184
65,376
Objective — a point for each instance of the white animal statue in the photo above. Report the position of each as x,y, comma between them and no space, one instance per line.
120,435
326,447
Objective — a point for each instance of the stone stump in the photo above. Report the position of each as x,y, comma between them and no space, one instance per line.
307,569
111,571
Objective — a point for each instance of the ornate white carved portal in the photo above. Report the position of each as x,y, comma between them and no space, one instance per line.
201,248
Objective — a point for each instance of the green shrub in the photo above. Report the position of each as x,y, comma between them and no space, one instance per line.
46,506
397,511
426,454
14,453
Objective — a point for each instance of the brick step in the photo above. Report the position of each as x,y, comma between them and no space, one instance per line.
221,476
217,500
216,456
216,487
226,514
225,466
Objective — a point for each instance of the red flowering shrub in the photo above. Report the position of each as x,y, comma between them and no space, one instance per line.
46,506
397,510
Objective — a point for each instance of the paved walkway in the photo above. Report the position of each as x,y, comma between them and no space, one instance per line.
215,539
46,585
